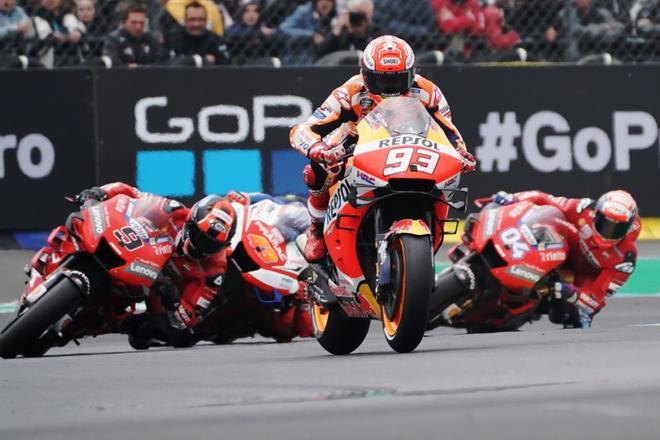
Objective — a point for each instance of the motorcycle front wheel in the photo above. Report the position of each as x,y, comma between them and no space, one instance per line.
405,312
22,334
337,333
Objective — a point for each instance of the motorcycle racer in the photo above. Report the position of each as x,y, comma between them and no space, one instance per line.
601,235
195,273
387,69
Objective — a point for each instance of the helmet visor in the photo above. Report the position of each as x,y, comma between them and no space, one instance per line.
201,242
611,229
388,83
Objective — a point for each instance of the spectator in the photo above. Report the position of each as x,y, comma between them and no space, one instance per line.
536,22
92,27
131,45
587,28
15,29
60,32
196,39
249,39
215,23
477,28
306,29
413,22
352,30
275,11
498,34
648,26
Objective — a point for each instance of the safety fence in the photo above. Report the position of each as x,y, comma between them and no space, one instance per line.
574,131
60,33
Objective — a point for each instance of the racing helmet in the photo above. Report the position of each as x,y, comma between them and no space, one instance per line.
614,215
209,227
388,66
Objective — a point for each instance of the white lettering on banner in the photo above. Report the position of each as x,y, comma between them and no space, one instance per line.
24,154
624,141
591,149
560,145
238,112
184,127
261,121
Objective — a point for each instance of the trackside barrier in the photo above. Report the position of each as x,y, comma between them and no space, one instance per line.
571,130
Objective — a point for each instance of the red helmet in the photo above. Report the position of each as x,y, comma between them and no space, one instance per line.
614,215
209,226
388,66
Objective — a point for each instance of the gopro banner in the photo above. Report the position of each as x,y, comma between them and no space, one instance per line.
47,145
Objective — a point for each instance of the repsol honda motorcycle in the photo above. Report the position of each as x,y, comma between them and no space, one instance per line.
88,279
502,270
386,218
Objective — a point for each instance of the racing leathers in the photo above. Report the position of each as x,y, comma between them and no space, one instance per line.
599,272
335,123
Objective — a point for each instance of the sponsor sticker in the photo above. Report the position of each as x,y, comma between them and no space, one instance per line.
142,270
525,274
625,267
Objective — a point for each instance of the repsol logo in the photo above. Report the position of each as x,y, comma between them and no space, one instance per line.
35,154
338,200
409,140
182,128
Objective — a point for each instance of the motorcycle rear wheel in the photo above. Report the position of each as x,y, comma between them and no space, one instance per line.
406,314
337,333
21,335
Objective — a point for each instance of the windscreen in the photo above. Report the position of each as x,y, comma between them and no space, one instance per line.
152,211
401,115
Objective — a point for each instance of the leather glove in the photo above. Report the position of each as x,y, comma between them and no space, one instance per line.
94,193
324,154
504,198
565,292
182,317
469,162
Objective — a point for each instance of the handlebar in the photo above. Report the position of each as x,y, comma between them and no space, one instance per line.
480,203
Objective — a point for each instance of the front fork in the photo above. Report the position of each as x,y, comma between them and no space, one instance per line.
383,240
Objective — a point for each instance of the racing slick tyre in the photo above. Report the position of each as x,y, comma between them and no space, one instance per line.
21,335
337,333
405,311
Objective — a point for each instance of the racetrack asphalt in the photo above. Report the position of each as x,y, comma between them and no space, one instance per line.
540,383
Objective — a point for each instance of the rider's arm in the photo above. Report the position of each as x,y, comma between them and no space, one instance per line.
120,188
594,290
438,108
570,207
334,111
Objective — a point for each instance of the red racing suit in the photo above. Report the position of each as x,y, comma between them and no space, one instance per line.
598,272
335,121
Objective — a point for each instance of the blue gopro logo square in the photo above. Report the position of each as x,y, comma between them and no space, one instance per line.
167,172
287,169
225,170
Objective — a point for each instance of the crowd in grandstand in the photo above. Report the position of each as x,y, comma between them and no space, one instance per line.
59,33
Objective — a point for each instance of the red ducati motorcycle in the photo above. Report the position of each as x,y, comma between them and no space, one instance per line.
262,292
502,271
96,267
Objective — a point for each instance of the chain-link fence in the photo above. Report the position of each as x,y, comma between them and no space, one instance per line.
59,33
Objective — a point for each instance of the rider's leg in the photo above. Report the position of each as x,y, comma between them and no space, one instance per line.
318,181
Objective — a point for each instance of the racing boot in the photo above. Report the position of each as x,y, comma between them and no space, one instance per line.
315,248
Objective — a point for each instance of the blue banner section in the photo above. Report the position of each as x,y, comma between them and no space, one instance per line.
31,240
167,172
225,170
286,172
